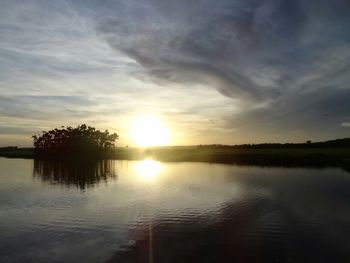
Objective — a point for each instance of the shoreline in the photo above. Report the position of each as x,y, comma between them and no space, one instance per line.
295,157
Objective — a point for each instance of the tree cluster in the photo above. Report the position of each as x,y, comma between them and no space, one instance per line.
82,139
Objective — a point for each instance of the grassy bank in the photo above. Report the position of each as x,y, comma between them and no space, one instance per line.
222,154
290,157
217,154
12,152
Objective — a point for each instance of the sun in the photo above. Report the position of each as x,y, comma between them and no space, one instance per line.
149,131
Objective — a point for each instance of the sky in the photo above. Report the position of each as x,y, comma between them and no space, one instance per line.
224,71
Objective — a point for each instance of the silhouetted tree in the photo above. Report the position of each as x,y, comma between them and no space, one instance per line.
83,139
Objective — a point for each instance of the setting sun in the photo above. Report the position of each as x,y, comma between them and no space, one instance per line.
149,131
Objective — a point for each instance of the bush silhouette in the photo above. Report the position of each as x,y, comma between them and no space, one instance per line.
83,141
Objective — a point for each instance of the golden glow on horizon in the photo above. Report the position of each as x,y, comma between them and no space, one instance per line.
147,169
149,131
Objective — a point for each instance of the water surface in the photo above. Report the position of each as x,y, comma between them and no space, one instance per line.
146,211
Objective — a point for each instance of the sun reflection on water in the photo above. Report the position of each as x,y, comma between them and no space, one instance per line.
148,169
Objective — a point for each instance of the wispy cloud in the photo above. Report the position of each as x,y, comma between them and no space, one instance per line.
291,56
281,67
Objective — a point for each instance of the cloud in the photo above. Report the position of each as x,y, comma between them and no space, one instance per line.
291,56
281,66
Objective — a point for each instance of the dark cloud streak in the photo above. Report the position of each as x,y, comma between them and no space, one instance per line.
291,55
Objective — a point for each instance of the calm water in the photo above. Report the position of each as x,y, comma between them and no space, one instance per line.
123,211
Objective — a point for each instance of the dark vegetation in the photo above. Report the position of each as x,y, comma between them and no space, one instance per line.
80,142
320,157
319,154
15,152
338,143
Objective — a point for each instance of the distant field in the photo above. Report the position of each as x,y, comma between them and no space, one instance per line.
17,152
232,155
203,153
283,155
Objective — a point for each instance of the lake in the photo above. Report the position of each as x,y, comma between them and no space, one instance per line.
147,211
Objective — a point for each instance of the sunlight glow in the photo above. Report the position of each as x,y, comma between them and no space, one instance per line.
148,169
149,131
